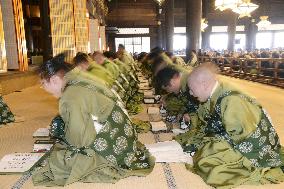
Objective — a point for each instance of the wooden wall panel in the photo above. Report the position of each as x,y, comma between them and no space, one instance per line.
3,60
81,26
20,35
103,38
9,34
62,27
94,35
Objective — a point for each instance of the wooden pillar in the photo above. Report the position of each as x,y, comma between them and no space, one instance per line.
29,36
251,30
14,32
20,35
169,24
193,25
205,42
160,35
3,60
232,24
45,29
154,37
159,27
111,42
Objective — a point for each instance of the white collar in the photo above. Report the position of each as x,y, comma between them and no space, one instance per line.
214,89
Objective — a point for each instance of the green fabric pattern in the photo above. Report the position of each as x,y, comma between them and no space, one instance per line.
262,147
6,116
78,163
215,159
116,143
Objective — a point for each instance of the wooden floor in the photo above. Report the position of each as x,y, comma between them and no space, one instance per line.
37,108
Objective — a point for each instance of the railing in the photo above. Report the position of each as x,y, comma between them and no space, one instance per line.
265,70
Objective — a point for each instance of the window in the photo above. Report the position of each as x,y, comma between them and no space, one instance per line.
134,44
219,29
179,29
179,46
133,30
224,29
219,41
273,27
263,40
279,39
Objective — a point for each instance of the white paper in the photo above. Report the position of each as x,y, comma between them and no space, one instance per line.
149,100
179,131
41,132
153,110
158,126
18,162
42,147
168,151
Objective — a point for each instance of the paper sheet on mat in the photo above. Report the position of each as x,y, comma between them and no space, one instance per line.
169,151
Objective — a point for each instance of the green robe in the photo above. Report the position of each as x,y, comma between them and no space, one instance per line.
122,66
125,57
6,116
216,161
182,102
78,106
101,72
112,68
179,61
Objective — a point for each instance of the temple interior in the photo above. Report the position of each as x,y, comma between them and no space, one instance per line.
147,54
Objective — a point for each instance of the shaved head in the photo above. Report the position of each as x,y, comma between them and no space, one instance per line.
202,80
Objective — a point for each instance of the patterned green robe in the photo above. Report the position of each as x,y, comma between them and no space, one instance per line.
216,160
6,116
79,107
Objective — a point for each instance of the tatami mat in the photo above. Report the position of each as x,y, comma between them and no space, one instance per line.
38,108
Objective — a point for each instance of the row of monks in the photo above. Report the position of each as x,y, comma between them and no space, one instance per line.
230,136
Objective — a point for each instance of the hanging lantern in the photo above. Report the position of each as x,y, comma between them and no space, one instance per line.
160,2
226,4
264,23
204,24
245,8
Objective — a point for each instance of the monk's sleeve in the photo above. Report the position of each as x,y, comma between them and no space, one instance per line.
239,117
78,123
